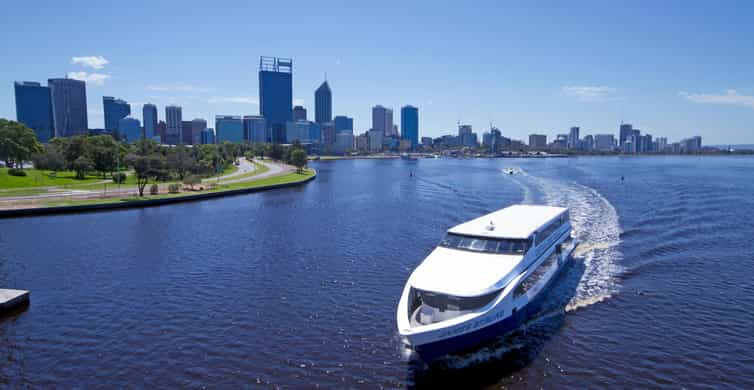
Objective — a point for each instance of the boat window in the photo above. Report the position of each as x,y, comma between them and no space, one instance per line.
549,229
486,245
536,276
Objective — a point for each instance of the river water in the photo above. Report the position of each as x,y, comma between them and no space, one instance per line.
298,287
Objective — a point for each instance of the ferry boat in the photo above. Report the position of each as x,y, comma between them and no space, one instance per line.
486,278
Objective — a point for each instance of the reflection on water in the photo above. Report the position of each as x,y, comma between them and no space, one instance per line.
299,287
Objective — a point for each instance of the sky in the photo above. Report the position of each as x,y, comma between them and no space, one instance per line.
670,68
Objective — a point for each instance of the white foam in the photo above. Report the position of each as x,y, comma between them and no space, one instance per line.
596,225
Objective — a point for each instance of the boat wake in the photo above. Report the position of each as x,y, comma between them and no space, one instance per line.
595,224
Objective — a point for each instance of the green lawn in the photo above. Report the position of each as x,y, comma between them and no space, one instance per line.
66,179
287,178
40,178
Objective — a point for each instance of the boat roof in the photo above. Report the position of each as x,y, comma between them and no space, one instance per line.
517,221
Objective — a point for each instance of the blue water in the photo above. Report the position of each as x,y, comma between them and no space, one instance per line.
298,287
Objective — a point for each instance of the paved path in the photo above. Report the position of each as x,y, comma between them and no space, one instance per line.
245,167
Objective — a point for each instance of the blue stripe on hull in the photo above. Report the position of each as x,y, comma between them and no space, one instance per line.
479,337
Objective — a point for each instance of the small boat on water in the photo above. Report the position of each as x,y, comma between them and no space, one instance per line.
486,278
509,171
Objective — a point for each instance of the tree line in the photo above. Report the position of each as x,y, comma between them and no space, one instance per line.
150,161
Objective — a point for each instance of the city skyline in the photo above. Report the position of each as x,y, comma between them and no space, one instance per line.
479,77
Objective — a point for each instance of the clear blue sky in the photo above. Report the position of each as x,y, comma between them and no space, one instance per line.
674,68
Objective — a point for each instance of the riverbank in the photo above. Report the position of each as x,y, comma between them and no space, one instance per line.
274,177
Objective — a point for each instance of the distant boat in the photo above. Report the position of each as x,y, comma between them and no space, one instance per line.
509,171
485,279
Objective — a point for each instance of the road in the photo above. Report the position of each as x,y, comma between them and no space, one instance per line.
245,167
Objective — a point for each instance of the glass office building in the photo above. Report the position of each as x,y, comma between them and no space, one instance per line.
276,94
115,110
68,97
410,125
228,128
34,108
129,129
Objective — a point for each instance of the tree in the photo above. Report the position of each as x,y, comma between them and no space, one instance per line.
180,161
50,159
18,143
82,165
298,159
104,151
276,152
147,163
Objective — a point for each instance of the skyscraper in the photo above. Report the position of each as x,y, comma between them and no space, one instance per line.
129,129
343,123
626,131
299,113
34,108
186,136
255,129
573,138
149,118
115,110
228,128
197,125
174,127
276,94
382,119
410,125
68,97
323,104
328,132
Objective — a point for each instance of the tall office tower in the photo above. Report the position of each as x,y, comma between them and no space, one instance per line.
625,133
662,144
129,129
343,123
68,97
537,141
208,136
174,119
197,125
149,119
276,94
115,110
186,137
299,113
410,125
255,129
648,144
323,104
160,131
573,138
382,120
464,129
228,128
34,108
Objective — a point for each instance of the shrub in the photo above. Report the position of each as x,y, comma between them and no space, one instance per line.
16,172
119,177
174,188
154,189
